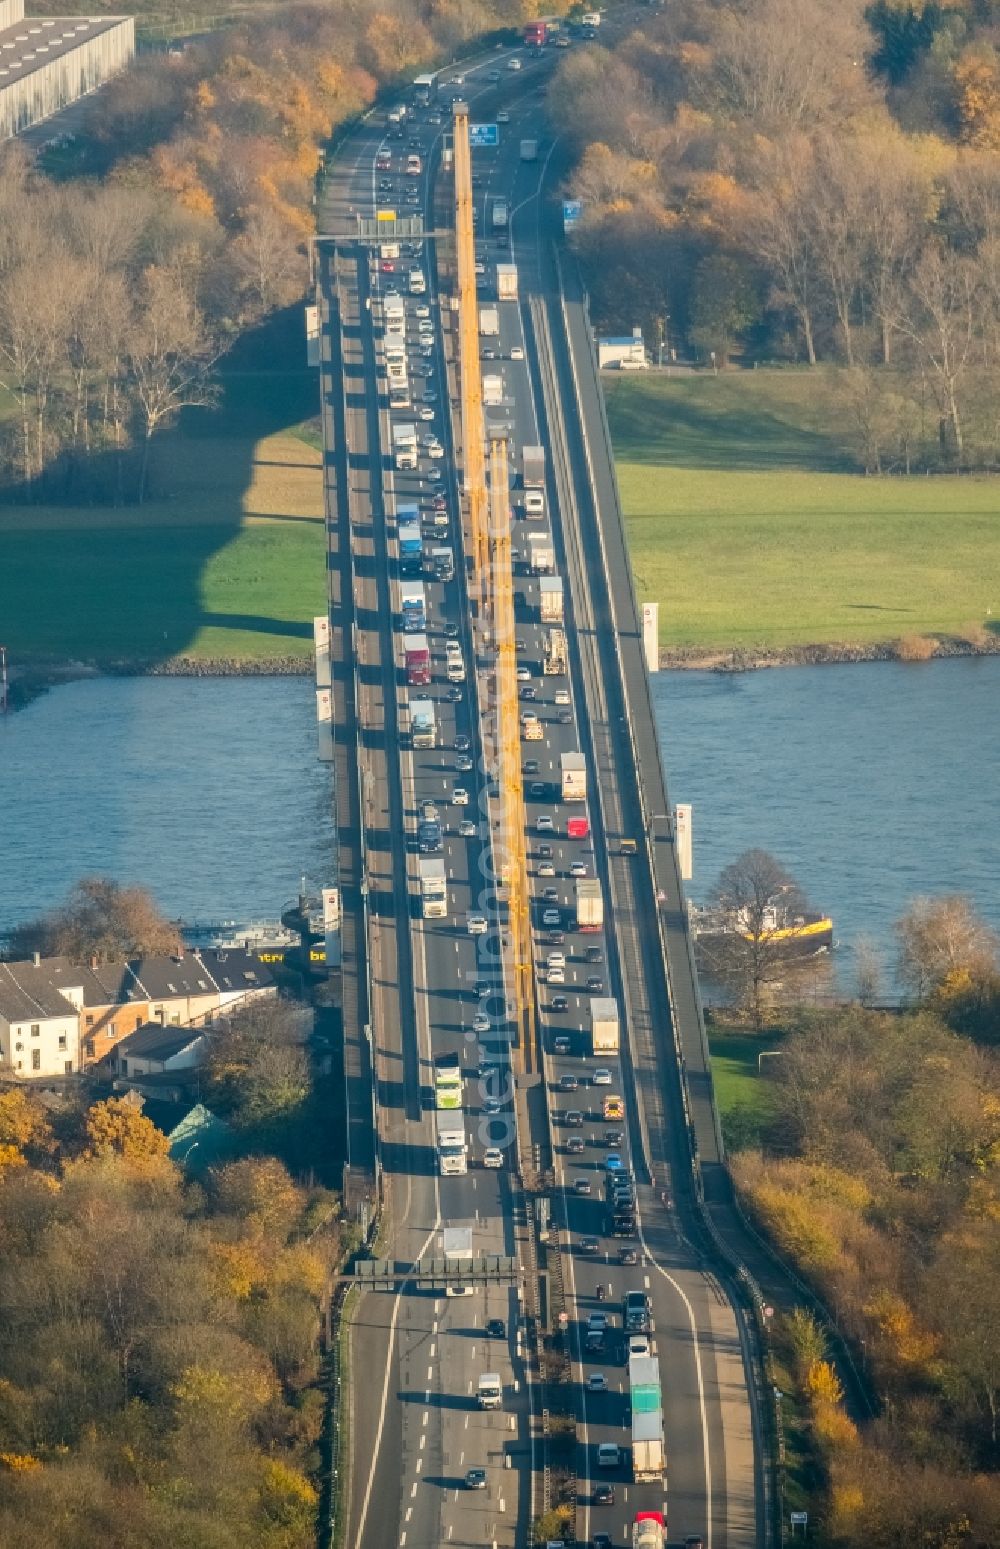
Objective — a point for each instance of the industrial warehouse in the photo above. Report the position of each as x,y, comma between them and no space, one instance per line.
48,62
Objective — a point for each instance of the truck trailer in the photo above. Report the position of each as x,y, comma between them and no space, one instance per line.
554,652
589,904
507,282
604,1024
573,769
433,887
647,1419
492,390
414,605
551,599
533,467
489,322
529,150
541,555
411,546
423,724
404,446
418,662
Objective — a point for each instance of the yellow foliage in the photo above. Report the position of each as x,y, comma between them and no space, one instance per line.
977,82
844,1188
10,1159
213,1392
20,1462
834,1429
794,1222
285,1482
115,1127
910,1345
239,1268
300,1268
23,1121
847,1501
823,1384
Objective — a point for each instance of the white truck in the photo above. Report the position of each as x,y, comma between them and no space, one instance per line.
589,904
423,722
551,599
489,1393
507,282
533,467
492,390
416,283
454,662
404,446
573,769
433,887
529,150
541,555
647,1419
554,656
489,322
453,1158
604,1024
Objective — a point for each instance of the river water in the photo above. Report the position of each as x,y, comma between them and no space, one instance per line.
206,790
870,783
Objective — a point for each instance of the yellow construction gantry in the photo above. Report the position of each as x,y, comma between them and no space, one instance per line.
493,589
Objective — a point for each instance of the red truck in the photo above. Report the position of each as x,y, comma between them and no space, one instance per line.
418,661
577,828
536,34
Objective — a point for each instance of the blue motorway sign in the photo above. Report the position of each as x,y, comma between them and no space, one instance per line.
481,135
572,210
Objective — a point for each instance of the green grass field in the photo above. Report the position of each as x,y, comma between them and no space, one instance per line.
748,526
225,561
742,1088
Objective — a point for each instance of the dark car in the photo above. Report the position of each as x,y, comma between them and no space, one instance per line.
429,837
559,1003
496,1328
545,852
529,691
574,1145
556,938
475,1479
595,985
627,1256
538,788
451,633
573,1118
594,954
564,717
601,1541
604,1495
462,743
530,766
568,1084
614,1138
590,1244
583,1186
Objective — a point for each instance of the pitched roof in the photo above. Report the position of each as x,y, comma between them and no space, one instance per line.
28,990
153,1041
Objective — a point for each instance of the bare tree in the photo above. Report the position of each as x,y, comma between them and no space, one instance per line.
837,208
170,355
269,264
757,913
940,319
867,970
782,234
100,919
939,937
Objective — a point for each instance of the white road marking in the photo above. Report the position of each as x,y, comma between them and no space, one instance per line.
409,1513
430,1373
433,1347
420,1464
413,1491
427,1415
423,1442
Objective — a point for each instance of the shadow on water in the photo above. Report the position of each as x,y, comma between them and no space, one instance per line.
88,573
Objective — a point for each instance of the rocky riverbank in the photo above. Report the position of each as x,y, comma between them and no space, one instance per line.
913,648
27,682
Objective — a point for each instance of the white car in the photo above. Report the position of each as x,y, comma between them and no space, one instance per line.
425,412
546,869
608,1453
555,976
433,475
480,266
424,324
492,1157
544,824
460,796
480,1022
516,352
524,674
467,829
435,449
551,917
514,64
597,1383
601,1077
503,117
562,696
638,1344
422,309
475,923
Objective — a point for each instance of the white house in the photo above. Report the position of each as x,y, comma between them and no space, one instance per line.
155,1050
39,1022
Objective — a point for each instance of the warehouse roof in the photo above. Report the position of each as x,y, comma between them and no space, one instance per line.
38,40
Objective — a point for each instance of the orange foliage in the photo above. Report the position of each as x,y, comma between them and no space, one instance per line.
977,82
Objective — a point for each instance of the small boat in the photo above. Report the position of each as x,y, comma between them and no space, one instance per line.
793,935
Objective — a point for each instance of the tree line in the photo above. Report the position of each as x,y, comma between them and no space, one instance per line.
875,1167
187,222
775,179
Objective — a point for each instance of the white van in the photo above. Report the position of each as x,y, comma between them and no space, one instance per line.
416,282
534,503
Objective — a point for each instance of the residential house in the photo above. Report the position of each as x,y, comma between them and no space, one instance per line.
155,1050
39,1021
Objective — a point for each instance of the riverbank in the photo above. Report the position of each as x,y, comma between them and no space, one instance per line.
751,526
911,649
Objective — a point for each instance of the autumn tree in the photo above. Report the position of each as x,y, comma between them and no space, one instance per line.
724,305
941,938
756,906
940,319
118,1127
170,355
258,1068
101,919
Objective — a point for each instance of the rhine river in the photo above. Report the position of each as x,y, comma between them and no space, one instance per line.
869,783
205,790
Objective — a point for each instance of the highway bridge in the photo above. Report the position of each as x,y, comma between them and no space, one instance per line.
423,989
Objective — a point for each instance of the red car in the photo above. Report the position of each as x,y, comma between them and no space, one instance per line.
388,267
